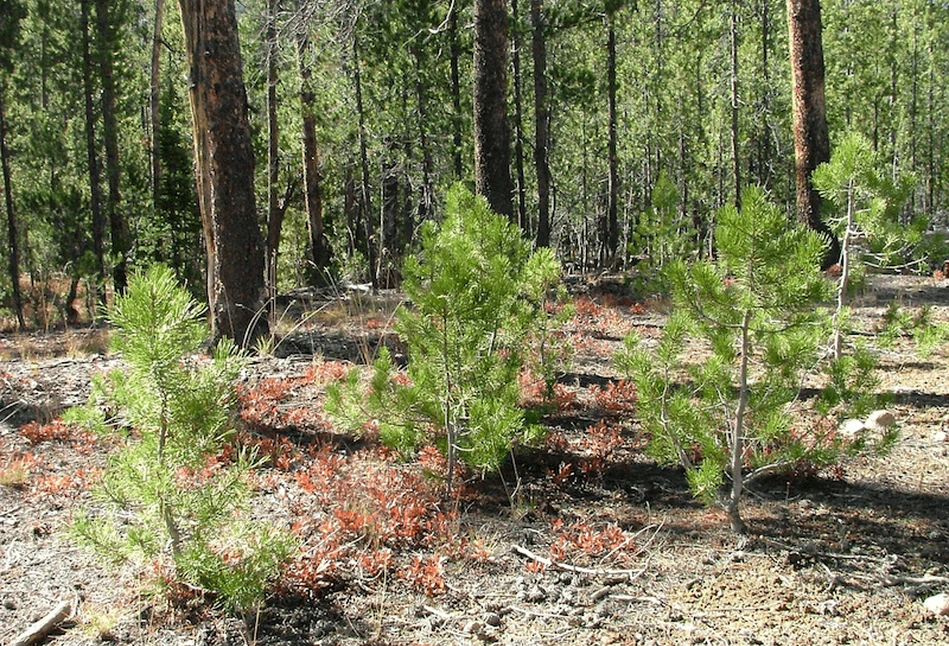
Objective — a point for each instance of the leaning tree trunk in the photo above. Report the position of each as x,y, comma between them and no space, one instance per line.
12,235
491,130
225,170
811,142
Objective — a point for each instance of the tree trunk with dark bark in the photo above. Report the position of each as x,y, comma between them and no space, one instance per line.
312,177
92,155
491,130
118,226
612,206
225,170
13,242
541,122
154,101
811,142
274,212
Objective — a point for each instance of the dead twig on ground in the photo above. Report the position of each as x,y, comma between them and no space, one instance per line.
546,562
40,629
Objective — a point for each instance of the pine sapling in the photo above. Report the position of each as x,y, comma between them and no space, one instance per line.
477,298
164,499
727,424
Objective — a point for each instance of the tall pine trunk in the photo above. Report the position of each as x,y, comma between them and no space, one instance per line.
612,206
312,177
811,142
491,131
518,123
541,122
13,241
225,170
118,226
154,102
92,155
274,212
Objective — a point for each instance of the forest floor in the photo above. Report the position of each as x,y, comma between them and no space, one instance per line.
587,541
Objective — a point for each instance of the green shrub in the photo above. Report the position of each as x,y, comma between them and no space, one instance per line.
477,309
165,498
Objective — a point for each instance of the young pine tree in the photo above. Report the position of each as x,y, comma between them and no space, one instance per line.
725,420
477,305
171,413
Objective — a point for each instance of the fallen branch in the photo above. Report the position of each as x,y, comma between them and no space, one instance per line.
914,580
546,562
42,628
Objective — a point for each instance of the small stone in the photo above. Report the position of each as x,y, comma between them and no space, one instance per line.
492,619
880,420
474,627
937,605
851,427
940,437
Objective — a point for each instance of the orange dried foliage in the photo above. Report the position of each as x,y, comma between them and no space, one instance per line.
426,574
617,397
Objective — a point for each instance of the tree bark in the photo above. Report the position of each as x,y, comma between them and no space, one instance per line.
118,226
92,156
366,201
491,130
811,142
274,212
541,122
225,170
518,124
454,55
154,101
312,177
736,158
13,241
612,207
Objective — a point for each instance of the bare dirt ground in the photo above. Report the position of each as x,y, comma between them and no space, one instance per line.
587,541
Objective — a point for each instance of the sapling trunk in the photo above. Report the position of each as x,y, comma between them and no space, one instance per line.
844,273
737,447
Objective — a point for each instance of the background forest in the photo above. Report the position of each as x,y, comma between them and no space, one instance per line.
98,163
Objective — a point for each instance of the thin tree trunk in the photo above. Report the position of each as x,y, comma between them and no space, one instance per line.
518,123
118,226
364,165
225,170
92,156
428,165
13,241
312,176
491,130
454,56
612,224
811,142
736,160
154,101
274,213
541,122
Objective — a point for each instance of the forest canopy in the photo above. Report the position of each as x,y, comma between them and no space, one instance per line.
630,124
